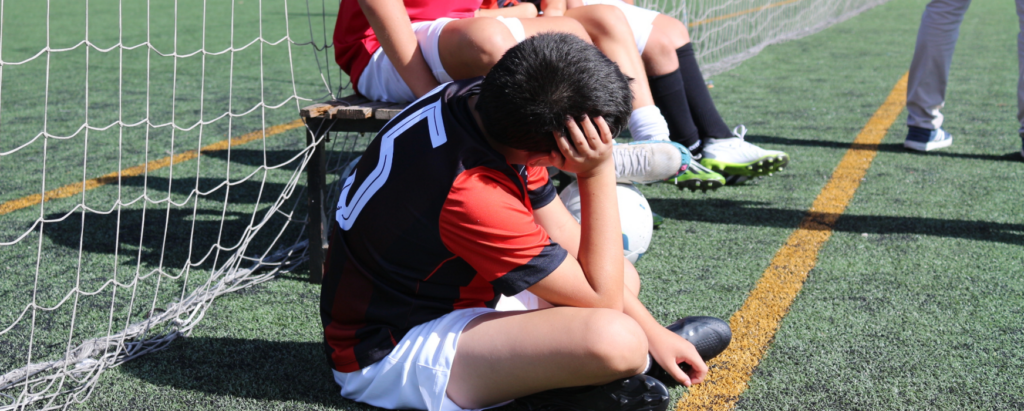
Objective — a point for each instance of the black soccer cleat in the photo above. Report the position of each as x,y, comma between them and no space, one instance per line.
709,335
637,393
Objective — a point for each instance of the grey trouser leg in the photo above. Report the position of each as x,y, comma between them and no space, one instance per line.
929,71
1020,65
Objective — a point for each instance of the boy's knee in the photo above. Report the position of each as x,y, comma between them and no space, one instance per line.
668,35
487,38
616,341
605,20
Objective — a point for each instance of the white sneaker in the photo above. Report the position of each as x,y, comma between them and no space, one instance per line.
734,156
923,139
649,161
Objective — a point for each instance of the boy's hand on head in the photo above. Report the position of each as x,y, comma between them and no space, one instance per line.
587,149
675,355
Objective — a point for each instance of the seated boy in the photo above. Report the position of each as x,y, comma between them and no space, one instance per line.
397,50
450,208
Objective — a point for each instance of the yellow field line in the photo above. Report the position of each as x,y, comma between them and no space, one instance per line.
740,13
755,323
78,187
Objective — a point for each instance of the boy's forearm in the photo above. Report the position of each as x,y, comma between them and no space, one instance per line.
391,24
636,310
600,249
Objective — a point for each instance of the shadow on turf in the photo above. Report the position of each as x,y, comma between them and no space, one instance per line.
165,237
750,213
888,148
256,369
262,370
254,157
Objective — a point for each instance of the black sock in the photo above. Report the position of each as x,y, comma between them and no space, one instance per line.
670,97
705,116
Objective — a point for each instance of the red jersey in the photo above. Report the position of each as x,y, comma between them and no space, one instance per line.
355,42
432,220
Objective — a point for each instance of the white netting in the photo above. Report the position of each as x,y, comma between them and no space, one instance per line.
726,32
151,160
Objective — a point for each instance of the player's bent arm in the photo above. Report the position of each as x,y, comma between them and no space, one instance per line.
560,225
568,286
391,24
586,151
564,230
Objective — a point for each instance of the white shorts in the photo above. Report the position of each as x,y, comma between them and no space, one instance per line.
380,80
415,374
641,20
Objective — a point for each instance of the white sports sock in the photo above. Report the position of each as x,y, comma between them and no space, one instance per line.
646,123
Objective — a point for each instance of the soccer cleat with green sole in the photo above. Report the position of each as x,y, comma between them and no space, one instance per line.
649,161
697,177
734,156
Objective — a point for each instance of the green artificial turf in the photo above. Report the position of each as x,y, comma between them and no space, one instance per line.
915,303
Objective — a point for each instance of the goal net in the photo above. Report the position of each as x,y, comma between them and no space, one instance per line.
726,32
151,160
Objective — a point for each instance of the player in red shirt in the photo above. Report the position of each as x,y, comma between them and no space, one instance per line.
450,210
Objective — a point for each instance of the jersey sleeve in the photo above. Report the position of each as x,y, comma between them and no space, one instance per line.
486,222
539,187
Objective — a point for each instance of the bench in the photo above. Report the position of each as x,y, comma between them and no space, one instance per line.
347,114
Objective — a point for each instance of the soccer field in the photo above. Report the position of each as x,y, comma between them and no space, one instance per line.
914,289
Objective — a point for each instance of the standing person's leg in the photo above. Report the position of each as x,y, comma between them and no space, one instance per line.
1020,73
929,73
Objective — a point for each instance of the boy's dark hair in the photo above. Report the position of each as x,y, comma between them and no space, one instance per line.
544,80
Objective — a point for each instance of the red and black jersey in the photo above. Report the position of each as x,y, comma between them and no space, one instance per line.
432,220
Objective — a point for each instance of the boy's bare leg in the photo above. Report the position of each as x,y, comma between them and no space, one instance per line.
470,47
659,54
608,27
503,356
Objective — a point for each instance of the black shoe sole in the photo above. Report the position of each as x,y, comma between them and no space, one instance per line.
637,393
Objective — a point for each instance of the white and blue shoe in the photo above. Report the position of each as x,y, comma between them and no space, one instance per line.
649,161
923,139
